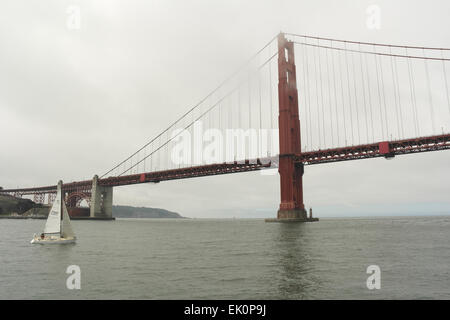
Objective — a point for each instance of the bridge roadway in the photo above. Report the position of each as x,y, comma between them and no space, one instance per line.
381,149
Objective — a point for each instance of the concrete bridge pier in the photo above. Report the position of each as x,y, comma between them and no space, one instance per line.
101,200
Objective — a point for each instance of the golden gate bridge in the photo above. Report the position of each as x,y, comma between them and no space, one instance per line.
354,100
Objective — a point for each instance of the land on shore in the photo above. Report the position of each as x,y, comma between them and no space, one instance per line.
19,208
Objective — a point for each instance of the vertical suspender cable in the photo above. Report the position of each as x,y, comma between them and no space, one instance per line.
317,99
303,93
335,95
309,97
395,93
379,95
329,99
342,96
269,143
430,98
384,98
239,107
249,103
349,94
260,115
370,98
356,98
364,94
399,99
321,97
412,94
446,83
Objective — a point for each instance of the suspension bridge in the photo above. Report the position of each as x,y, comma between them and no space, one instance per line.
354,100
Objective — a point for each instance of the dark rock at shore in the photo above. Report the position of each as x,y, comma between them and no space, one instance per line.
10,204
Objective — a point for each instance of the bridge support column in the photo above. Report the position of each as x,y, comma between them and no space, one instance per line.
291,187
291,208
101,200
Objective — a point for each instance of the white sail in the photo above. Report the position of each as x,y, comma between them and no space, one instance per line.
66,231
53,224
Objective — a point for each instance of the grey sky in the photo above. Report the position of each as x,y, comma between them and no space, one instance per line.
75,102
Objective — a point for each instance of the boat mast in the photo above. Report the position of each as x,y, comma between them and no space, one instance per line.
61,209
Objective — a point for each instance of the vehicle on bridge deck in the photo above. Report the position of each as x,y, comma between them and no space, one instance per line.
57,228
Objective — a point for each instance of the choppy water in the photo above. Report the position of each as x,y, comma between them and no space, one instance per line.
230,259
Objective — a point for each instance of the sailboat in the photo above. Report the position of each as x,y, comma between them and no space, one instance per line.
57,228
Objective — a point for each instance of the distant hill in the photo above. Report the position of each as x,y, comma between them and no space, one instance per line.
142,212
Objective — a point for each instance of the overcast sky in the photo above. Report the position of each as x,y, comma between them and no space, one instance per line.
73,102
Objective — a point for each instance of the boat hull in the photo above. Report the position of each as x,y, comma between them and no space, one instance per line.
52,241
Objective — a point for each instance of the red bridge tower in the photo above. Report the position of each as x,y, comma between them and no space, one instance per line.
291,172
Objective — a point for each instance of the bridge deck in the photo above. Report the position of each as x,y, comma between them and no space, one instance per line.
393,148
381,149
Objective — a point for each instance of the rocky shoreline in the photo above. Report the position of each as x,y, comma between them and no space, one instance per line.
19,208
